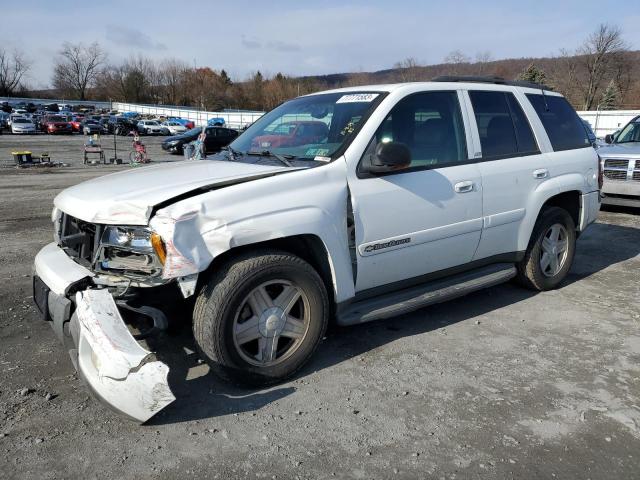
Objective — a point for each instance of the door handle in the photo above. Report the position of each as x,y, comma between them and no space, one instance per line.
541,173
463,187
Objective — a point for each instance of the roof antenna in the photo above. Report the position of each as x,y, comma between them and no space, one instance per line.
544,97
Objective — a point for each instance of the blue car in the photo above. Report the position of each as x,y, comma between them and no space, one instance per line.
215,122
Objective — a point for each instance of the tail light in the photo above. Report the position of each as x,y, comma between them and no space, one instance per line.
600,173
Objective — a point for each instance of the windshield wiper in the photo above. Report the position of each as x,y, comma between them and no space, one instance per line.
233,154
267,153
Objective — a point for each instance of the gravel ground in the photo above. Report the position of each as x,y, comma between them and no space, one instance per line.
503,383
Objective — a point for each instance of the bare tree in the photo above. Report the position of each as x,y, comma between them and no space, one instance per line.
482,60
598,56
408,69
171,74
13,67
456,57
77,67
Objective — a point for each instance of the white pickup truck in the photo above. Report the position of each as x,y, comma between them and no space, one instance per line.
381,200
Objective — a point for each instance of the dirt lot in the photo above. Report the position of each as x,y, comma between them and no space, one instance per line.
499,384
69,148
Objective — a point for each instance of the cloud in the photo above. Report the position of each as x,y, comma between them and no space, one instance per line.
250,43
131,37
253,43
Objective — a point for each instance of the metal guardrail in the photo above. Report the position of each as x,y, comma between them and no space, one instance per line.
234,119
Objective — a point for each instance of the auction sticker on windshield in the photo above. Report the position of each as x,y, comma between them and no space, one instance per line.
357,97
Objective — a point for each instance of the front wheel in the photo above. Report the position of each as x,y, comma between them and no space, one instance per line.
261,317
552,247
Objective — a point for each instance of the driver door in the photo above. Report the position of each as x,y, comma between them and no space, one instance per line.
425,218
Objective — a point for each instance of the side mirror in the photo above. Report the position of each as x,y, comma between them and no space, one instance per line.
608,138
389,157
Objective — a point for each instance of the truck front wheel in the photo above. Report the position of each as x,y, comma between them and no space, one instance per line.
260,317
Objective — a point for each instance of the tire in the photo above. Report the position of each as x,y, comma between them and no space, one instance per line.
225,304
541,273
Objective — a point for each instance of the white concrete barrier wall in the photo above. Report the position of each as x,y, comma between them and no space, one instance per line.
604,122
232,119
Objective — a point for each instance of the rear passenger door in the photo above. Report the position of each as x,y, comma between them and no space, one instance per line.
511,166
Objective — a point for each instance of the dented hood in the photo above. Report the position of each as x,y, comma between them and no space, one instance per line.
128,198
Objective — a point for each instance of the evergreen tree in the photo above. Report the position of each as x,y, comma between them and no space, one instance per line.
533,74
610,97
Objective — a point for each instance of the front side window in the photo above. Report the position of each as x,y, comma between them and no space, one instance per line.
561,122
503,127
430,125
308,127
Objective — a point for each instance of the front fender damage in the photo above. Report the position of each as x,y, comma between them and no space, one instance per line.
113,364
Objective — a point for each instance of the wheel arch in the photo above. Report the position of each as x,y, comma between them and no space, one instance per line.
569,200
309,247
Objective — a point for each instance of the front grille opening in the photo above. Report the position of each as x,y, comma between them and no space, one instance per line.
79,239
615,163
616,174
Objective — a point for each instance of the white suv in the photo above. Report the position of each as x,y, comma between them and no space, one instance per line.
384,199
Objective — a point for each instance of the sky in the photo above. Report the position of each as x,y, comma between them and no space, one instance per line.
304,37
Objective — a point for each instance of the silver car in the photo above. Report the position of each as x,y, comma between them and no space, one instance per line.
621,165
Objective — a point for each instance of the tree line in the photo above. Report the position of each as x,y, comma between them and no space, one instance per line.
601,73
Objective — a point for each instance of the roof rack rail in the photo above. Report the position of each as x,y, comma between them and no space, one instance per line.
494,80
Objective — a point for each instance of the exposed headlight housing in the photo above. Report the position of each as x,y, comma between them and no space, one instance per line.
131,252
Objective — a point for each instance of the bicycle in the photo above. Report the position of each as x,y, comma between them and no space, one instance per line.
139,153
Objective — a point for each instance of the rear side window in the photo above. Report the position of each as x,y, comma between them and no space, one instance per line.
560,120
503,127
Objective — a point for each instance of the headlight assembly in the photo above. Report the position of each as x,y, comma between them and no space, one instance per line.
131,251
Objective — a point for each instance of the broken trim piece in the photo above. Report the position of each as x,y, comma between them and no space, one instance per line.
116,368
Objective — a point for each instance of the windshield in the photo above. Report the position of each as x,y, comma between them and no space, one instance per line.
630,133
21,120
55,119
308,127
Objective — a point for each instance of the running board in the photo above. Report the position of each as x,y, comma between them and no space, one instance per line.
413,298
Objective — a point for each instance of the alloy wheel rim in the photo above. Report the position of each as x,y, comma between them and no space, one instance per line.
271,323
554,250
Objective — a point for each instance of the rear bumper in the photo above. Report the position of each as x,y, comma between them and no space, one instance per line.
117,370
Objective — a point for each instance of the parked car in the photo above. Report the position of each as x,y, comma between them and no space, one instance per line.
216,122
173,127
217,138
22,125
121,125
183,121
621,165
289,134
76,123
12,117
91,127
417,193
55,124
150,127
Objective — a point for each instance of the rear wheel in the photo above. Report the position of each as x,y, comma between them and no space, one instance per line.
261,317
549,256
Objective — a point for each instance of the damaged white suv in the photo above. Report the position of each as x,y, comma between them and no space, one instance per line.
349,205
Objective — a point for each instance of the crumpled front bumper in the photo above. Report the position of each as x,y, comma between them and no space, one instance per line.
109,360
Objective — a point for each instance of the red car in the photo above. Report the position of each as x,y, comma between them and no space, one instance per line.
76,123
292,134
56,124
